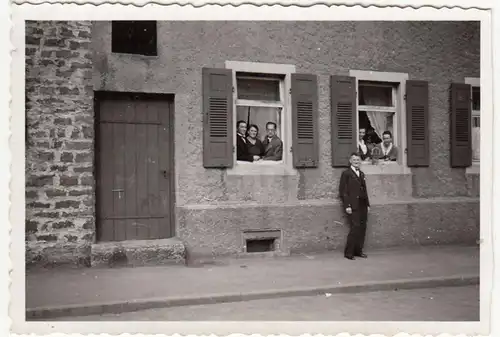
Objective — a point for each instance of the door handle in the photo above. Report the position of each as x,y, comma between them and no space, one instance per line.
165,174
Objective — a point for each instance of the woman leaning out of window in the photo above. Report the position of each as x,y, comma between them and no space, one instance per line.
255,146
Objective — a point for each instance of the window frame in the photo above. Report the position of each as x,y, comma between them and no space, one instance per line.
263,104
473,82
399,127
284,167
376,108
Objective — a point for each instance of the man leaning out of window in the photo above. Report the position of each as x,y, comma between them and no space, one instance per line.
273,146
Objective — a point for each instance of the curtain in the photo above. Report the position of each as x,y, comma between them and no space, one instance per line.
378,120
476,137
260,116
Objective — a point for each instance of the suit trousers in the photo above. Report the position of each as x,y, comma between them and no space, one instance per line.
357,232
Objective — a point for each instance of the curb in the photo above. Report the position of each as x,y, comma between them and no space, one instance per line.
45,313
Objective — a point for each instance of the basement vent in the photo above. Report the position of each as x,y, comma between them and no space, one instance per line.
260,245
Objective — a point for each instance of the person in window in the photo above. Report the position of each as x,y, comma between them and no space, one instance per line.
388,149
255,146
364,151
273,146
242,152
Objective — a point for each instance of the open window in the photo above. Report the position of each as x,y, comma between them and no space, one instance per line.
270,101
476,123
260,103
377,116
369,107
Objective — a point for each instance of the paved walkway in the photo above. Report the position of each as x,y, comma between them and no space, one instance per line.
72,287
437,304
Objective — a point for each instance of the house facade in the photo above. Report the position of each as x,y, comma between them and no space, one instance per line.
131,136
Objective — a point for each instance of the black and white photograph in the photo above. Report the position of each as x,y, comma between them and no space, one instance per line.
239,167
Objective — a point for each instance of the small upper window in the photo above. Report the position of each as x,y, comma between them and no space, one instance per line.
134,37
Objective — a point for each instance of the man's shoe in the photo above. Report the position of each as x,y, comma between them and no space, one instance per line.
364,256
349,257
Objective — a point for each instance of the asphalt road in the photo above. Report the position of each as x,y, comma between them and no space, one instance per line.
437,304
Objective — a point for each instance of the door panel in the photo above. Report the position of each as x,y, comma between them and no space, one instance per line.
134,175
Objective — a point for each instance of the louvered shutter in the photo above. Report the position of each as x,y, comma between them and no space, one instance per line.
460,125
305,120
417,123
217,118
343,119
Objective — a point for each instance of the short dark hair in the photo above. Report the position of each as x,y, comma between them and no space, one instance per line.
253,126
354,154
239,122
387,133
272,123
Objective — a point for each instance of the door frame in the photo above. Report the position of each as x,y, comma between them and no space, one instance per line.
101,95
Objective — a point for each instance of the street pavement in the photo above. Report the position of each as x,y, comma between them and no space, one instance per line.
75,292
437,304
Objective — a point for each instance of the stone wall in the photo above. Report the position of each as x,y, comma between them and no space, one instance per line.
59,142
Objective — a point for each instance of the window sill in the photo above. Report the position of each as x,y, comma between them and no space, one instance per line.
261,168
385,168
138,57
475,168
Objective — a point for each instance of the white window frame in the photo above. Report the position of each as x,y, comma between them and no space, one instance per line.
473,82
375,108
399,122
285,166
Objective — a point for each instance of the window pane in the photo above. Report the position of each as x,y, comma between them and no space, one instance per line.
255,89
370,94
260,116
476,98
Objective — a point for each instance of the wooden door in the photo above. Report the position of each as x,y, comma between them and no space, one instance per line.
134,168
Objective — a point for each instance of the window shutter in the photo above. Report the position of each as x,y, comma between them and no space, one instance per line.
217,118
417,123
344,119
305,120
460,125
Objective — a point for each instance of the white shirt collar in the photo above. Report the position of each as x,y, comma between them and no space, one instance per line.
363,147
356,171
386,150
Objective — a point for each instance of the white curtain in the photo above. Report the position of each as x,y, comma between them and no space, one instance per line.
378,120
475,143
260,116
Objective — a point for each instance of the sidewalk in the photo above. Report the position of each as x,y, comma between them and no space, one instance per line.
51,293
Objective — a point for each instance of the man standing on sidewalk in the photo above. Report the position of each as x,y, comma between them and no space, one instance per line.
354,197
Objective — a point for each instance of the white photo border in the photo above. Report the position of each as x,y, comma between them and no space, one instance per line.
438,10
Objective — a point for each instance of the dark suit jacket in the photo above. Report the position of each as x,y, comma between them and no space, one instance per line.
353,188
242,150
273,150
